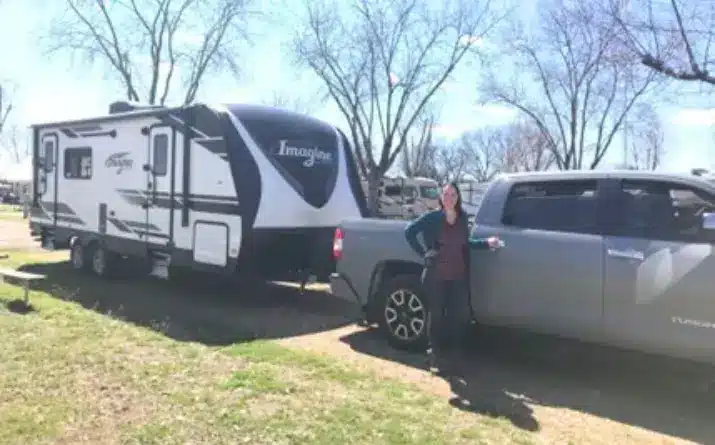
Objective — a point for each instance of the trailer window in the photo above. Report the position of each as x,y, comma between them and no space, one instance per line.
161,154
393,190
562,206
49,156
78,163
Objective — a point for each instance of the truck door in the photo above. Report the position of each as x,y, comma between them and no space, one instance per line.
659,269
159,190
549,275
47,177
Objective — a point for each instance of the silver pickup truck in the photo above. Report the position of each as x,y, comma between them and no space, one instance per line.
618,258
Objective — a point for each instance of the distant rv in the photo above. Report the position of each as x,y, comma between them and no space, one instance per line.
406,198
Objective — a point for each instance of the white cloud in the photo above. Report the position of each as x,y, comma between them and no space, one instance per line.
694,116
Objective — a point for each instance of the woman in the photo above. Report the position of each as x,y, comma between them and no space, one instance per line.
445,233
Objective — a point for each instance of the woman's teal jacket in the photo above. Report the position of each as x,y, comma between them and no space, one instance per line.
429,224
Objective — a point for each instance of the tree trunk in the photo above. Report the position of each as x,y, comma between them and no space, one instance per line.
373,199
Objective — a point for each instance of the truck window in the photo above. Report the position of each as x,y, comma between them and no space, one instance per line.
78,163
562,206
663,210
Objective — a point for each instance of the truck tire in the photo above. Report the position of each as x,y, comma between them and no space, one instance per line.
402,312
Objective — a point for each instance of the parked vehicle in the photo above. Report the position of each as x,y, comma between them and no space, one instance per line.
219,189
406,198
617,258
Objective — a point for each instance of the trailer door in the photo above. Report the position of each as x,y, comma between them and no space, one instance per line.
47,178
159,191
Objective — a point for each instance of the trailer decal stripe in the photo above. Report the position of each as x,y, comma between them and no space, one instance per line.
60,207
70,219
141,225
223,205
119,225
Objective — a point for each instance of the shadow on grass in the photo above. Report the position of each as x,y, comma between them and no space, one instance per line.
198,308
18,306
504,373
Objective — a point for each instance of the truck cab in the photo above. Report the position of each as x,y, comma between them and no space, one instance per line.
623,258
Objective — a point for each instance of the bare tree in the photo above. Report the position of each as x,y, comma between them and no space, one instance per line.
5,108
671,37
646,148
525,148
11,142
481,150
419,155
8,133
516,147
291,101
451,163
428,157
575,81
383,62
151,45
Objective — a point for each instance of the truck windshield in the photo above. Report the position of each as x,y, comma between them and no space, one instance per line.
429,192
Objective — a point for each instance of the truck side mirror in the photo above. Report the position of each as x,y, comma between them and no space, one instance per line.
146,167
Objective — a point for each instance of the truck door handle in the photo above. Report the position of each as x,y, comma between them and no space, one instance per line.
626,254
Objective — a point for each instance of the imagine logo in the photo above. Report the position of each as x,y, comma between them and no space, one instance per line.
120,161
311,155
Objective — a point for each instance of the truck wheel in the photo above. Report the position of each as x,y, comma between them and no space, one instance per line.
78,256
403,312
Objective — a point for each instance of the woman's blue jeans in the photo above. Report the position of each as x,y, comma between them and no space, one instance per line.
449,308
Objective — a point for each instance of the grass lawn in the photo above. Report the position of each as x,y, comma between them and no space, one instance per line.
72,376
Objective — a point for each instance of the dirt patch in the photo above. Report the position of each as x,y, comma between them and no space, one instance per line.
15,235
586,395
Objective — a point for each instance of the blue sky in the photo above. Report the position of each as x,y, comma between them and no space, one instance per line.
50,88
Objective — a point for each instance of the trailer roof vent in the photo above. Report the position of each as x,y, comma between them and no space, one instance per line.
122,106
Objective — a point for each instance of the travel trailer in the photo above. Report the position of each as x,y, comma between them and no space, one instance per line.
406,198
227,189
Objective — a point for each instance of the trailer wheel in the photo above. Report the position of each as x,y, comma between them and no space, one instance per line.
403,312
103,262
78,256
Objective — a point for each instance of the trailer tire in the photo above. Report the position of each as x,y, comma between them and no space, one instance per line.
103,263
78,255
403,312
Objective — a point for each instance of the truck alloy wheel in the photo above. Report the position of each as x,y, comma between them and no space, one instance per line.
404,313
